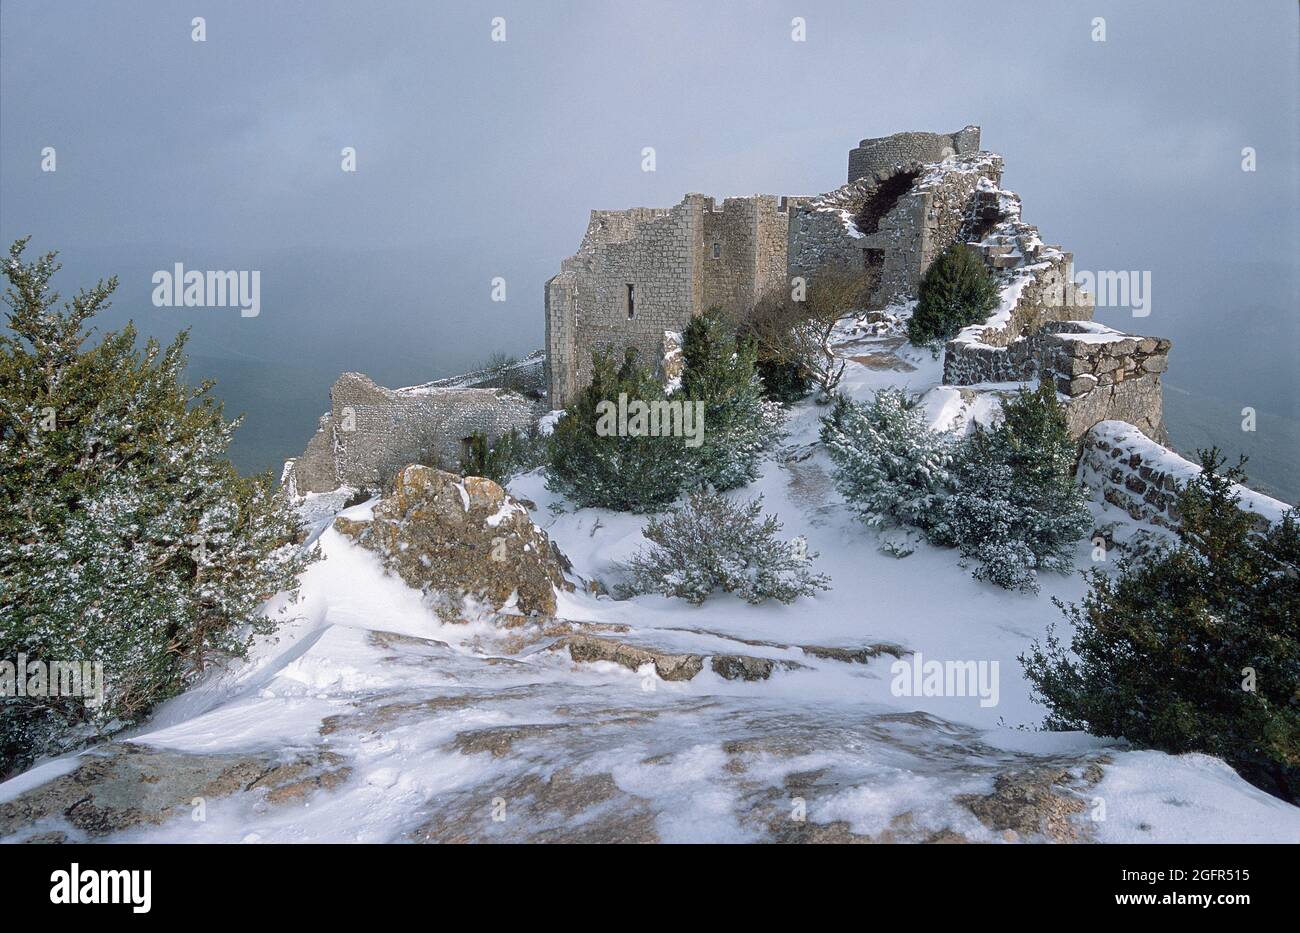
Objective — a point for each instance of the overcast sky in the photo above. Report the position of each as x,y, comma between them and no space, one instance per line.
479,159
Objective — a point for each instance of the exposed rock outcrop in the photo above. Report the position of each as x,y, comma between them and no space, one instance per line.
1036,803
455,537
670,666
121,786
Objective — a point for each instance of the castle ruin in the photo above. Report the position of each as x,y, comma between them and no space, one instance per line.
641,275
371,432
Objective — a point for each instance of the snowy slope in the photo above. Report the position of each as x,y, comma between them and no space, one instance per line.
475,731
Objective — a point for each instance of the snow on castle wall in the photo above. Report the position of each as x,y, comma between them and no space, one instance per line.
371,431
1143,478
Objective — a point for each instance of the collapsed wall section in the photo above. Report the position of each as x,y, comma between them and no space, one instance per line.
890,224
371,431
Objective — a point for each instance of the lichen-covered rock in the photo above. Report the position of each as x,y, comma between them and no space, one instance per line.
455,537
122,786
1043,802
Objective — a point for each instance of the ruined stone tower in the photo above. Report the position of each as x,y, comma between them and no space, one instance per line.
643,272
875,155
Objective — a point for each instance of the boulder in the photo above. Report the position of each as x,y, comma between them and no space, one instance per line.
455,537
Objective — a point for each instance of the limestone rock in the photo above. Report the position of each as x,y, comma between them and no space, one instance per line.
671,666
122,785
454,537
1038,802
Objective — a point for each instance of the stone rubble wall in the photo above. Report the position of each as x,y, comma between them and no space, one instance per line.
873,155
680,262
924,221
371,431
1142,478
527,377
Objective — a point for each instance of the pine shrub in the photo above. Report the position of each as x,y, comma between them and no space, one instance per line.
739,423
712,544
890,467
127,538
956,291
625,473
1194,650
1018,509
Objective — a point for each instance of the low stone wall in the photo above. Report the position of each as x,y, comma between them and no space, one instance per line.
371,431
1100,373
1106,375
1134,473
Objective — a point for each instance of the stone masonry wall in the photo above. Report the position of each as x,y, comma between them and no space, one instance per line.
932,214
872,155
371,431
679,262
1142,478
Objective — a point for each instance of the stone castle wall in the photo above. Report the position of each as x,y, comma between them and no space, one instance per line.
886,152
679,262
1142,478
917,222
371,431
1100,373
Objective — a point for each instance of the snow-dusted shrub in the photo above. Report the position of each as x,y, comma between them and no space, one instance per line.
711,543
890,466
1018,509
957,290
1196,649
508,455
127,539
739,422
628,473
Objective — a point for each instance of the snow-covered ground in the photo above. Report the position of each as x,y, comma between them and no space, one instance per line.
478,731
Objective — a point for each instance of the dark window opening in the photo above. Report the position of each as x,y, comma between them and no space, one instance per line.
631,301
717,250
873,260
984,217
